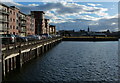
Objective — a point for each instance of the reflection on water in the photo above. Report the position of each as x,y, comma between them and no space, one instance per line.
74,61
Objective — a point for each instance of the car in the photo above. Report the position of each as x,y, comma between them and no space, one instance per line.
8,38
37,37
44,36
21,39
30,37
33,37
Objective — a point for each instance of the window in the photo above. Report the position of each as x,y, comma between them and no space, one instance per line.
11,19
10,12
11,26
14,13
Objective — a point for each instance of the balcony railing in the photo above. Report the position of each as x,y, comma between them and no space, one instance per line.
22,18
4,20
2,11
23,24
23,30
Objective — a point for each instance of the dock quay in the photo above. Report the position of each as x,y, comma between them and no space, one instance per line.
14,56
90,38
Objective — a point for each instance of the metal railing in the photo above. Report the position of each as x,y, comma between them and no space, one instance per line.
10,48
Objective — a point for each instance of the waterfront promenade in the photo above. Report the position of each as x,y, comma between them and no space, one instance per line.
14,56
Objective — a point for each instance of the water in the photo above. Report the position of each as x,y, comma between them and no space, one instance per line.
73,62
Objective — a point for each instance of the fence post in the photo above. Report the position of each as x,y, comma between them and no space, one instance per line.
18,62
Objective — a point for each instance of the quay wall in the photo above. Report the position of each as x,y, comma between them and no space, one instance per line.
90,39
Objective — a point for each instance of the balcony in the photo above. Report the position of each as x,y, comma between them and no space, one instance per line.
4,20
4,28
23,30
22,18
4,12
23,24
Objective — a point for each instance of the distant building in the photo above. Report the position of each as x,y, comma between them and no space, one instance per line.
52,29
47,26
39,22
88,29
98,34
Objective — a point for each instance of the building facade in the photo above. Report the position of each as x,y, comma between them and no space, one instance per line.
52,29
30,28
39,22
23,24
47,25
12,21
4,18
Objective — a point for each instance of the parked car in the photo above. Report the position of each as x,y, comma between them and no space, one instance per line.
21,39
33,37
44,36
37,37
8,38
30,37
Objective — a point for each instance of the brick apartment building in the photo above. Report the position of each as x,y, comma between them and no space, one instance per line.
12,21
30,28
39,22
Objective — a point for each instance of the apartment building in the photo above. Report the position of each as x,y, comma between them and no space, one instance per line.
30,28
22,24
4,19
47,25
52,29
39,22
13,21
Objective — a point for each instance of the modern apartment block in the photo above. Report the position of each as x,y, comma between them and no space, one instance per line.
12,21
47,25
39,22
4,18
52,29
30,28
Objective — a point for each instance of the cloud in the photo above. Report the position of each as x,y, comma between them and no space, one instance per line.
67,0
33,4
94,4
95,25
74,16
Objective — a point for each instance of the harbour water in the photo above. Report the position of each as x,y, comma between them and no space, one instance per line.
73,62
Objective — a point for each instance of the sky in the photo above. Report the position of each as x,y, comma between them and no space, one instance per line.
75,15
